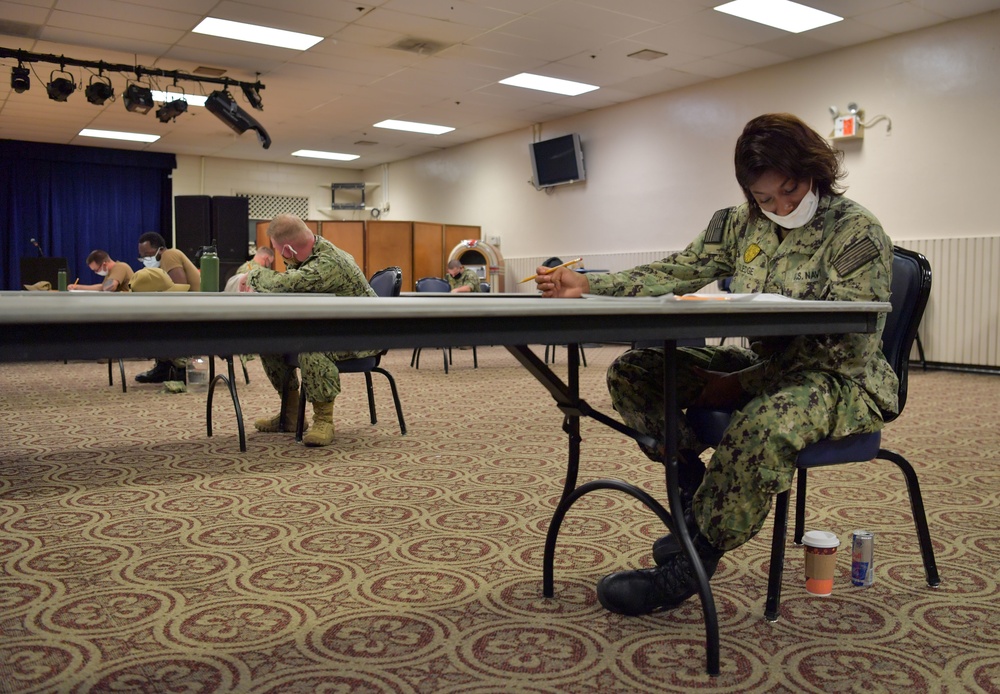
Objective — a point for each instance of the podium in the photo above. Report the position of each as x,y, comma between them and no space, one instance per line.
42,269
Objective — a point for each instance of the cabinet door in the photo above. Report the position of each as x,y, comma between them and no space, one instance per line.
388,244
264,242
348,236
428,250
454,234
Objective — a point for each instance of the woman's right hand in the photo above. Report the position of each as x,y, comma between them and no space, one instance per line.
561,283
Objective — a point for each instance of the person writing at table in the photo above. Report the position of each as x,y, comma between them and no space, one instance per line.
462,279
153,253
116,275
796,235
312,265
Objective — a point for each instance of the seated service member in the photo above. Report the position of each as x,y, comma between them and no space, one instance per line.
461,278
116,275
313,265
795,235
264,257
153,253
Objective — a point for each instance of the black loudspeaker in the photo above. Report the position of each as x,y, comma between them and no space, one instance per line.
42,269
231,227
192,223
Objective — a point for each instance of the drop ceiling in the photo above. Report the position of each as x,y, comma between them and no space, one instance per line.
432,61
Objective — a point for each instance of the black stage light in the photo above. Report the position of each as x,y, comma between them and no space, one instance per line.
220,103
59,88
171,110
252,95
100,91
138,99
20,79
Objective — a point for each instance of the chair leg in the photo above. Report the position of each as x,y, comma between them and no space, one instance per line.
475,359
777,569
920,352
444,355
415,358
121,369
371,397
919,516
583,357
111,379
800,505
300,425
395,398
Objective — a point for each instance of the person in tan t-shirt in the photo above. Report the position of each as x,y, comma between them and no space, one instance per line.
117,275
153,252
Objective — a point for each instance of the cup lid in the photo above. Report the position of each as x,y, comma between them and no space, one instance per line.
820,538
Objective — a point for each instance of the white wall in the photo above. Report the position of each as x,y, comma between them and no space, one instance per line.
657,168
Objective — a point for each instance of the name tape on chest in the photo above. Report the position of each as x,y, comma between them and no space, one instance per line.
854,256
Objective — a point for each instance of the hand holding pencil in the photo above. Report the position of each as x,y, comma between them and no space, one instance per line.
559,283
550,269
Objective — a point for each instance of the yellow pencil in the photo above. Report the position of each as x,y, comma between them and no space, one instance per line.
77,281
548,270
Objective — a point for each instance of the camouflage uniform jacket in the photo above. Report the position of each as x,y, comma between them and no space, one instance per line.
842,254
247,267
327,270
467,278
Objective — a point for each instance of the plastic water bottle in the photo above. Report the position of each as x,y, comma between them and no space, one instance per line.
209,270
196,374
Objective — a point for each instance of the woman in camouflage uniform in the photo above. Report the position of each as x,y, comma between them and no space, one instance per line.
795,235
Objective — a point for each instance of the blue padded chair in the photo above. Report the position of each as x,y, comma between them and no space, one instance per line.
436,284
911,286
386,282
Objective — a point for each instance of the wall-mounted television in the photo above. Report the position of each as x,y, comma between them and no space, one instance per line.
557,161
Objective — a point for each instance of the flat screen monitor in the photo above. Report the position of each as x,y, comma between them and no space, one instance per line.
557,161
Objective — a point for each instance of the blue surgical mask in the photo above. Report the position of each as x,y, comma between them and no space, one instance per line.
150,261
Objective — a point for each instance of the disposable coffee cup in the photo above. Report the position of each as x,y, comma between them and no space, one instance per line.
821,560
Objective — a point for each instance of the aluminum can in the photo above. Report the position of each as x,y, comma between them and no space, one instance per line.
862,558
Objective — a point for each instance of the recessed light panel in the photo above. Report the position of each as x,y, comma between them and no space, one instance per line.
409,126
118,135
780,14
253,33
552,85
316,154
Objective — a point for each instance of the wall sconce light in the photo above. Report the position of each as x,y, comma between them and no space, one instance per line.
20,78
138,99
99,91
59,88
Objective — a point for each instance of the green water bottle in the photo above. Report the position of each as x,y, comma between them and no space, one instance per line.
61,279
209,270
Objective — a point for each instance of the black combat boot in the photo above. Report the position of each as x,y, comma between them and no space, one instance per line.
646,591
161,371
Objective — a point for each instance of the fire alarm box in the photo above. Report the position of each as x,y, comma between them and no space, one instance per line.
848,128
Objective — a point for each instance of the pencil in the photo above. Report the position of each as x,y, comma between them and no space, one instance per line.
77,281
547,271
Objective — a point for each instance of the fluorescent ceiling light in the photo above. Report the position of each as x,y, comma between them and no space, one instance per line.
316,154
414,127
548,84
192,99
117,135
780,14
256,34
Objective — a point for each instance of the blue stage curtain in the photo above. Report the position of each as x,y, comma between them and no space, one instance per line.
74,200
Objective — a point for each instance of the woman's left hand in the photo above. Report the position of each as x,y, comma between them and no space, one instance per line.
721,391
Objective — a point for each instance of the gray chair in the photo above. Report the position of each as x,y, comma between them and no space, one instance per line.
436,284
911,286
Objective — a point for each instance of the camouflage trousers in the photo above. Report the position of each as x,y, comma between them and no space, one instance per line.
756,458
319,372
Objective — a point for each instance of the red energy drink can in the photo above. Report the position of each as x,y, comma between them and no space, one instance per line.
862,558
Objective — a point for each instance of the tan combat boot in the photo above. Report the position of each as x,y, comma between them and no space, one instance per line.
322,429
291,417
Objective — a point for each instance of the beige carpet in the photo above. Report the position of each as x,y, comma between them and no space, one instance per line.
139,555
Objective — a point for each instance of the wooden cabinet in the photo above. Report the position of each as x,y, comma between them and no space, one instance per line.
387,244
454,234
348,236
429,252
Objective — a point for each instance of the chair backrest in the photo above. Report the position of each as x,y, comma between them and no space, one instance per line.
432,284
484,287
552,262
387,282
911,287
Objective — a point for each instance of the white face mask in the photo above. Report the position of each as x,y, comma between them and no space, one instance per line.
798,217
150,261
102,273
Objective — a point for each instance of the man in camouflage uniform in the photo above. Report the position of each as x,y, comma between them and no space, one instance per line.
313,265
264,257
461,278
796,236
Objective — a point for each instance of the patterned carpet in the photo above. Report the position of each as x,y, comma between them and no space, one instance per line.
139,555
